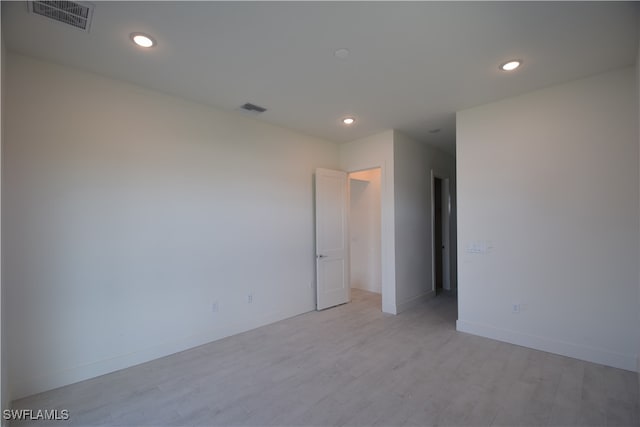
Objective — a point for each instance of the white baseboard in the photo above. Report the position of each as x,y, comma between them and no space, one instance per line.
389,308
413,302
29,386
577,351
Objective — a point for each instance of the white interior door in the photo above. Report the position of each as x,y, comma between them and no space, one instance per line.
332,251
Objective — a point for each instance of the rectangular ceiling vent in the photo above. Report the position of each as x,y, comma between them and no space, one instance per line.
75,14
252,108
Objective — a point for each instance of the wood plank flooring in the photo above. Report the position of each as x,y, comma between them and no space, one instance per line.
353,366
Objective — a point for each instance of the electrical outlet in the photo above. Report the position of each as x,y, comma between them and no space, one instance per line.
249,298
214,307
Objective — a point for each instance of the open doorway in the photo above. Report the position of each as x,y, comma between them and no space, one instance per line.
438,243
365,230
440,226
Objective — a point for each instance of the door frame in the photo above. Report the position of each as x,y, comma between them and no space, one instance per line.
387,243
446,234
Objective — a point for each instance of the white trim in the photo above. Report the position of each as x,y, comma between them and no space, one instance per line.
413,302
577,351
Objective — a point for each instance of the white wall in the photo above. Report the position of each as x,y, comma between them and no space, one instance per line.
549,181
638,134
129,213
406,189
376,151
4,371
365,230
414,245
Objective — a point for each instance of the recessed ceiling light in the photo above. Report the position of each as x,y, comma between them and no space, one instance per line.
348,121
341,53
142,40
511,65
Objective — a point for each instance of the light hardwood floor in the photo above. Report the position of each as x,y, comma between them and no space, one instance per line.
354,366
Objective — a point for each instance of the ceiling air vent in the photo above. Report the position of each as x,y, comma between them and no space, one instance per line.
252,108
75,14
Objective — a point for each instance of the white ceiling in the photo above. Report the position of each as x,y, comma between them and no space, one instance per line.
412,65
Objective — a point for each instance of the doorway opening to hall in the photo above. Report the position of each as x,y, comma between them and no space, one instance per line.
365,235
441,232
